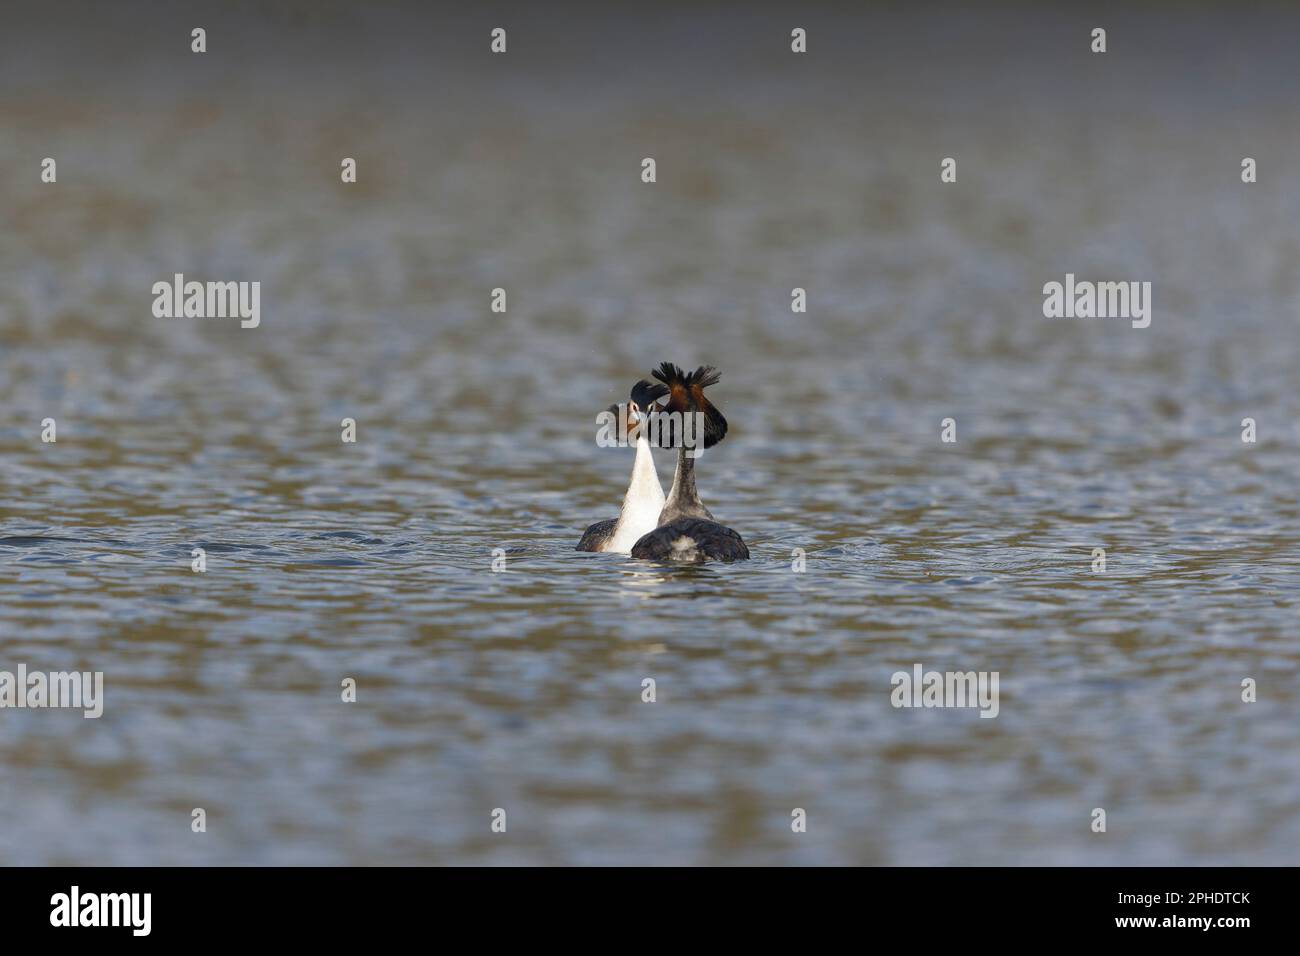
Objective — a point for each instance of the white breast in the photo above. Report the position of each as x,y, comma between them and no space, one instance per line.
641,505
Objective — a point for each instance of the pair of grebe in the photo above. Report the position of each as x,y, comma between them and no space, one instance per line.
677,527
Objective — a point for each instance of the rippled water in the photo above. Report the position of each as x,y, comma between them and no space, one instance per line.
522,689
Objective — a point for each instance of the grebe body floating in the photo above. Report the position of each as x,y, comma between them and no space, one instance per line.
644,501
686,530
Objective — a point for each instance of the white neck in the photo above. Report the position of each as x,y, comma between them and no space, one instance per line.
642,503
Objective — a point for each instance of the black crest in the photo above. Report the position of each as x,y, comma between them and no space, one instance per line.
644,393
686,395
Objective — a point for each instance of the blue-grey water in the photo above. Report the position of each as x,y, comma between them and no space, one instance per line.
521,689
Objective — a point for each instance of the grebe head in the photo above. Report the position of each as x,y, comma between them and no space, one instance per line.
634,414
644,393
685,392
635,420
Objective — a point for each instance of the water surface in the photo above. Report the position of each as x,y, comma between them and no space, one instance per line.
521,689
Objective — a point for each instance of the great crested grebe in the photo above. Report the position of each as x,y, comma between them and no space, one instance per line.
644,500
686,530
